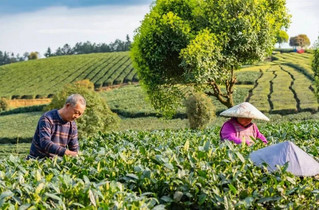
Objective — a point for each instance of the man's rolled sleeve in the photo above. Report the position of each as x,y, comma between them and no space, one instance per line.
73,144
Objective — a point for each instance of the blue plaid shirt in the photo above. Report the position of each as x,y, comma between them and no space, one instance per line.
53,136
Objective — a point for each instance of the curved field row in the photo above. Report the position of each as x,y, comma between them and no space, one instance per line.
261,91
43,77
302,88
280,86
283,89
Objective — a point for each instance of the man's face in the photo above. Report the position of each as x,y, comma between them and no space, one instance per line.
73,112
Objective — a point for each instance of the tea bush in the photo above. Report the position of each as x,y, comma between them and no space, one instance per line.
200,110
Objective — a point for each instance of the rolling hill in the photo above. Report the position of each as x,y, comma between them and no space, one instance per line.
42,78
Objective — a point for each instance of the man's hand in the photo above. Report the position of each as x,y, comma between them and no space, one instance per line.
71,153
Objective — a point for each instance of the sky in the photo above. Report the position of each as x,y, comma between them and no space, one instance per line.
35,25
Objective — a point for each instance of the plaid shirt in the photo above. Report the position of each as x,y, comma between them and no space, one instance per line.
53,136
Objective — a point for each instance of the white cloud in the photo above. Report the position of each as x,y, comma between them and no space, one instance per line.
54,27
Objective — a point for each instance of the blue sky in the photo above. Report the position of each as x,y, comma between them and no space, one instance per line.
35,25
17,6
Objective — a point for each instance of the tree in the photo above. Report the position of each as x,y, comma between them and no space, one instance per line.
48,53
315,67
282,37
127,43
301,40
26,55
66,50
33,56
202,43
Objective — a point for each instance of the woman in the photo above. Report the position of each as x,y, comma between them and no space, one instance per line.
240,128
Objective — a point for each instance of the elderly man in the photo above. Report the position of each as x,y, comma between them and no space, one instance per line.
56,133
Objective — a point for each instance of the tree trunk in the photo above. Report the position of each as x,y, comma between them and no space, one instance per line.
225,98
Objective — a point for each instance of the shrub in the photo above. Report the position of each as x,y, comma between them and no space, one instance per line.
97,116
315,68
39,96
27,97
4,105
85,83
200,110
15,97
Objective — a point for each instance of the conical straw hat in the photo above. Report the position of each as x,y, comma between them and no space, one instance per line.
244,110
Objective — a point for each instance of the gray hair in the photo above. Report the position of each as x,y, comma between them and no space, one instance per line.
74,99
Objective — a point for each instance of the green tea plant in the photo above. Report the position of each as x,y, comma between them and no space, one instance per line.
182,169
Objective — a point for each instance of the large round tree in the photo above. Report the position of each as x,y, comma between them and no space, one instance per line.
201,43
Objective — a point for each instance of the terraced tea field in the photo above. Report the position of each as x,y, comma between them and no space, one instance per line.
42,78
284,86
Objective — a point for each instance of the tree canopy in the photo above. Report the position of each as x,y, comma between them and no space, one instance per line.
282,37
201,43
301,40
315,67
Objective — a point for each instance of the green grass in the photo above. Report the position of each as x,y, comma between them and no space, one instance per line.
18,149
129,100
18,127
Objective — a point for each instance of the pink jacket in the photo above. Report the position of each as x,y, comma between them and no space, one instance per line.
233,131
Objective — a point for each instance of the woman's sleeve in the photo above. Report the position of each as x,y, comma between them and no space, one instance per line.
228,132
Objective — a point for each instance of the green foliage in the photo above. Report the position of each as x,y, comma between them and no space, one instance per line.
200,110
18,127
282,37
33,56
97,115
4,105
315,68
167,169
202,42
85,84
301,40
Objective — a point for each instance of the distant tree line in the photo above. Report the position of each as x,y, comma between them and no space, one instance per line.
79,48
88,47
8,57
